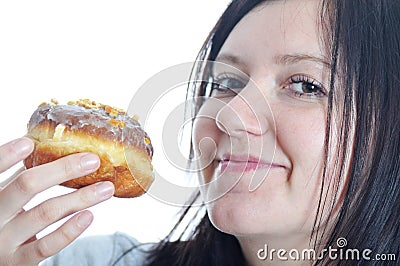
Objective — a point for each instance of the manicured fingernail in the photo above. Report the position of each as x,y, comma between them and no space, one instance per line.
89,162
84,219
104,190
22,146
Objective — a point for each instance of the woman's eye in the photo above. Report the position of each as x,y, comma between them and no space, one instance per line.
303,86
227,85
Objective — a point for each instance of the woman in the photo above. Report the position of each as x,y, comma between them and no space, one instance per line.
306,129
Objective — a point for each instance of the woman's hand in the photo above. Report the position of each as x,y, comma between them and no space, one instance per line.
18,228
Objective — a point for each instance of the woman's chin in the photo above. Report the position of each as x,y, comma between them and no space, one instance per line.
249,214
235,215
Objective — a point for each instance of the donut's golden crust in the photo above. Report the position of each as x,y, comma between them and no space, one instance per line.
125,164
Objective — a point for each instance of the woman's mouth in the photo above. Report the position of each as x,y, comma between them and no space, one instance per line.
243,163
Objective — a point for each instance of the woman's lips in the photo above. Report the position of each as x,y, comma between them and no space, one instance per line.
241,163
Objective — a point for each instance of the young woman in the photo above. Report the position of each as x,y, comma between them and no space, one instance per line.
303,110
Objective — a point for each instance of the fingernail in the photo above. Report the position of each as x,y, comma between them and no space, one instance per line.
22,146
84,219
104,190
89,162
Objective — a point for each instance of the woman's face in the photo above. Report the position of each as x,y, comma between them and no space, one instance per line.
263,165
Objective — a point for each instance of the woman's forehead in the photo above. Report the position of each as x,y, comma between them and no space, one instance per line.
274,30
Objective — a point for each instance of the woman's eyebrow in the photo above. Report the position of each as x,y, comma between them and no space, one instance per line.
286,59
229,58
291,59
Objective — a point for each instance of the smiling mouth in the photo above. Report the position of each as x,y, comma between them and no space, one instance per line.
244,164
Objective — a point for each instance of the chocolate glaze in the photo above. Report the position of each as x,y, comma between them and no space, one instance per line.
95,122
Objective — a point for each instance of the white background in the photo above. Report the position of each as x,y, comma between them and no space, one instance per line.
102,50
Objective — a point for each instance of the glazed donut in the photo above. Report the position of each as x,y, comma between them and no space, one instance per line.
123,146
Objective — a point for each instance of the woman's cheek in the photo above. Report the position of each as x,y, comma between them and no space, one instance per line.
205,141
300,134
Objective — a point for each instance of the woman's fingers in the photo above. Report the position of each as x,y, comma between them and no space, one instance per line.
14,175
14,151
18,228
35,180
33,221
35,252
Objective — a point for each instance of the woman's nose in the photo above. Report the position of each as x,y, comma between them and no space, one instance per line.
246,113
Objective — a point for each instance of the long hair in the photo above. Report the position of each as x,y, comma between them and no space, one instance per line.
362,38
366,65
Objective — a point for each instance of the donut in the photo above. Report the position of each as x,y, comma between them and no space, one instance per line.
124,148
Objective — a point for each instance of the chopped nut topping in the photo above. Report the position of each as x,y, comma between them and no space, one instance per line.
52,103
117,123
108,109
94,105
135,117
89,104
114,113
86,103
